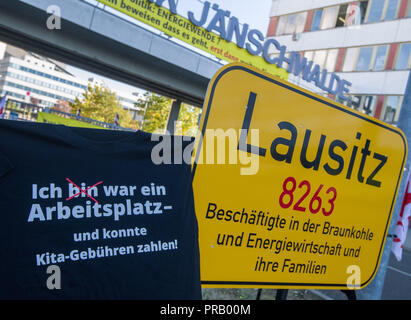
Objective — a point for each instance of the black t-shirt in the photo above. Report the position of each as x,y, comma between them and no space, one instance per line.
93,203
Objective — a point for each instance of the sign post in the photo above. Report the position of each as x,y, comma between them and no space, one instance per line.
291,190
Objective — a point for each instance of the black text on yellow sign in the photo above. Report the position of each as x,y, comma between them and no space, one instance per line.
315,204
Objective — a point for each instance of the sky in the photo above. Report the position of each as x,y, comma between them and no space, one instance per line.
253,12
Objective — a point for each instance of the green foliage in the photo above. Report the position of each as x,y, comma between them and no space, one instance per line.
100,103
158,108
188,120
156,115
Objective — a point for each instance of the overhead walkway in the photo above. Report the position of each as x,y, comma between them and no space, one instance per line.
101,42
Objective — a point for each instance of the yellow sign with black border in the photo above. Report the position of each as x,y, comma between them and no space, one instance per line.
291,190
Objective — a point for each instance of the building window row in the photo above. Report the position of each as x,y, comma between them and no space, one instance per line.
46,75
43,84
14,94
374,58
384,107
353,13
370,58
367,58
40,92
324,58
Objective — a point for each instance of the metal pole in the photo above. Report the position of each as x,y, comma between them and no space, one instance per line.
258,294
374,290
173,116
281,294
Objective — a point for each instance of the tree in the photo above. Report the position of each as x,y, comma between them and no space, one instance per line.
157,111
188,119
100,103
156,114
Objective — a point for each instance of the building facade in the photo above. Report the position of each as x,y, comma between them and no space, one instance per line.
365,42
31,78
27,77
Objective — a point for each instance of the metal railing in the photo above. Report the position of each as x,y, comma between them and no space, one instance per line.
17,110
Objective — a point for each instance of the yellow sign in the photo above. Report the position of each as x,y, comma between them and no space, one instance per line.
181,28
291,190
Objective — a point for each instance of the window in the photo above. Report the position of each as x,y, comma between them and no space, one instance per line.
342,13
391,108
363,6
376,10
319,57
364,59
281,25
315,25
324,58
349,60
329,17
369,58
364,104
291,23
309,55
300,22
356,102
403,58
369,104
379,60
391,11
331,60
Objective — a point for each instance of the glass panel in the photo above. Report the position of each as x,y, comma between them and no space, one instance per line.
349,60
329,17
319,57
342,13
300,23
291,21
375,12
355,102
403,56
281,25
352,12
369,105
331,60
379,62
363,10
391,12
316,20
309,55
364,59
391,106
